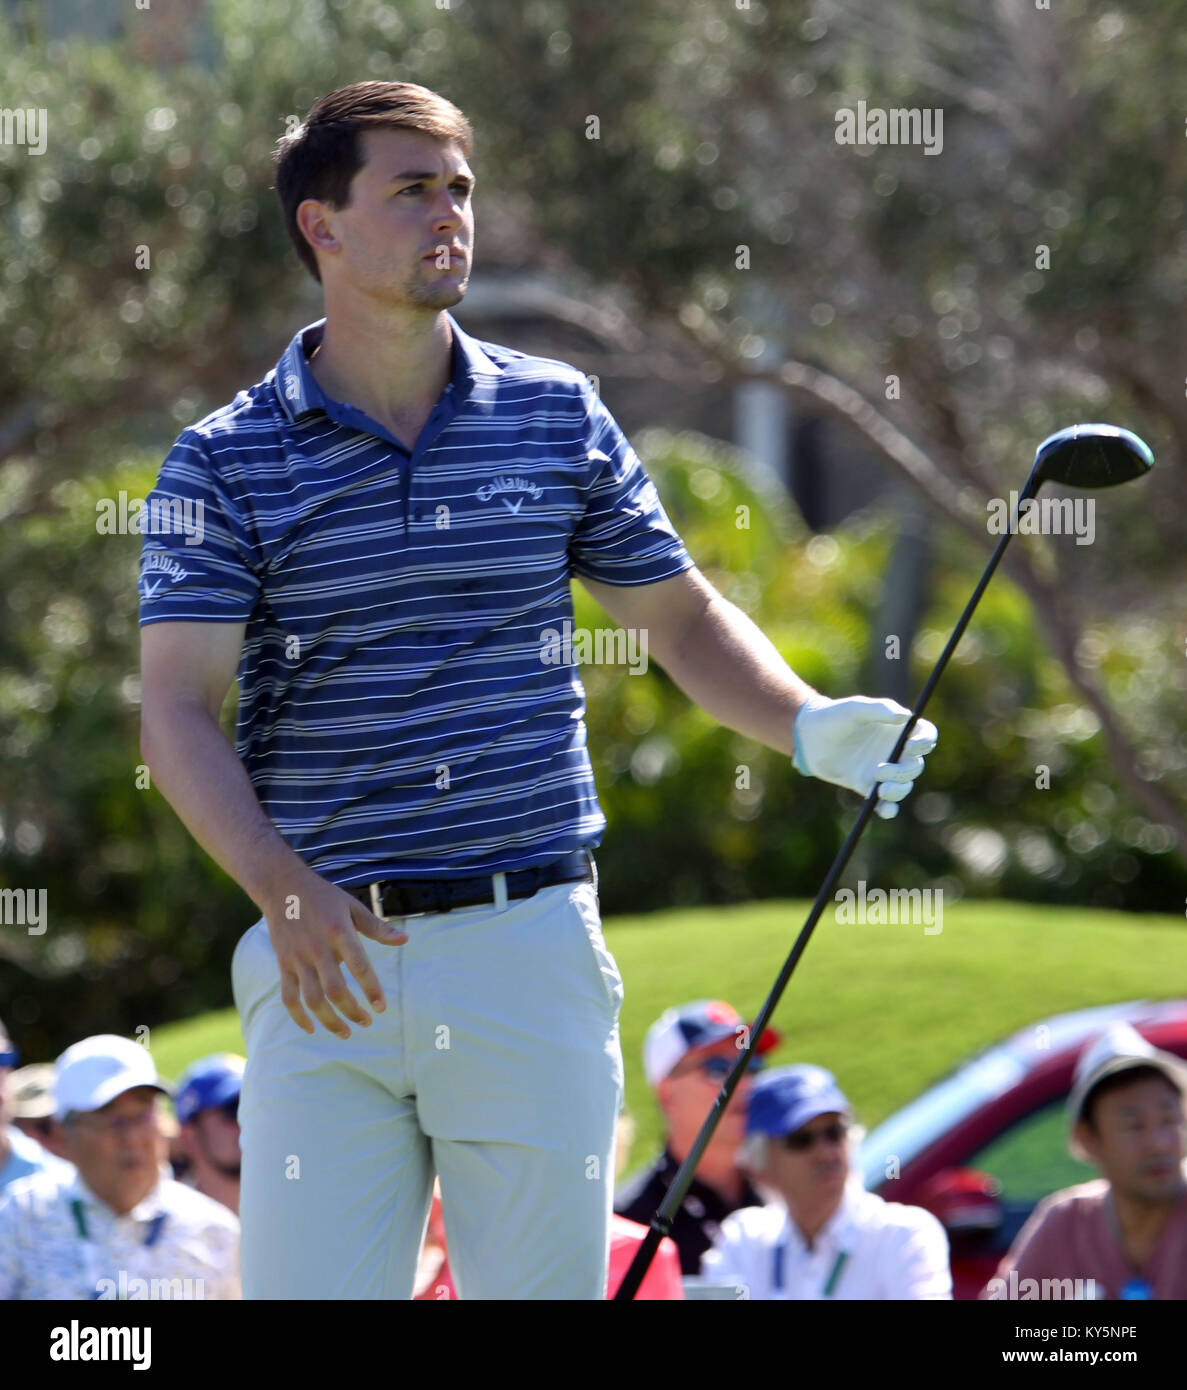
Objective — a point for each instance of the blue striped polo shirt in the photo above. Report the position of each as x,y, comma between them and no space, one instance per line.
397,716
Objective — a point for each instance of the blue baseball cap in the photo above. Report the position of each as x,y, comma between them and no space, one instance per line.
787,1098
208,1084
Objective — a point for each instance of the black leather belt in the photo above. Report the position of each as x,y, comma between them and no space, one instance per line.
401,897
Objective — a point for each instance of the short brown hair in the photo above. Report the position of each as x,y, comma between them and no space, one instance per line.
320,158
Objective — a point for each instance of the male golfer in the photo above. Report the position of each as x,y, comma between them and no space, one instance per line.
390,522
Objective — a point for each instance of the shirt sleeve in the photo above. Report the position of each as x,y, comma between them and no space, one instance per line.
625,536
921,1262
726,1262
196,561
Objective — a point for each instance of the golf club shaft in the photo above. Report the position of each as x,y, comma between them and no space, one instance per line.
662,1221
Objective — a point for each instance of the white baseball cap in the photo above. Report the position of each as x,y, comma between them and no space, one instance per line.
1121,1048
92,1072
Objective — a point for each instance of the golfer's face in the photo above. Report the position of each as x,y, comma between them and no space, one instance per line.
410,199
813,1163
1138,1142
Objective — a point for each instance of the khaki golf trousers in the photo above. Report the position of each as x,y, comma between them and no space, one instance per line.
496,1064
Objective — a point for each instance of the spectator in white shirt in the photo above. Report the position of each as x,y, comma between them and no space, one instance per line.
820,1235
119,1227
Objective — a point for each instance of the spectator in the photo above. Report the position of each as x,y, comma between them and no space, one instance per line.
823,1236
662,1280
21,1154
207,1105
118,1227
1125,1231
31,1095
687,1055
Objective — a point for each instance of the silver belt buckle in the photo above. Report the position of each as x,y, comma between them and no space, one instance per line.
376,901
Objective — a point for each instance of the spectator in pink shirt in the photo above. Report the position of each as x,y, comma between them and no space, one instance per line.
1123,1235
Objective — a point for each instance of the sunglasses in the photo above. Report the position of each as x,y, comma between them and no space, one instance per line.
720,1067
802,1140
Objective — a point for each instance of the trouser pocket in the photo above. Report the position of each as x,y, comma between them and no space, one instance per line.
583,899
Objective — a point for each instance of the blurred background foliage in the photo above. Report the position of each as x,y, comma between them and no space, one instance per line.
1019,798
145,276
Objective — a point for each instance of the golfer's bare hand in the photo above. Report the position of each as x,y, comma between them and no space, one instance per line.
315,929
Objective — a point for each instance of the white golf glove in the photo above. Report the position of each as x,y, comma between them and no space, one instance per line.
847,742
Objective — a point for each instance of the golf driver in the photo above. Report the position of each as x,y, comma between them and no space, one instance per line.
1082,456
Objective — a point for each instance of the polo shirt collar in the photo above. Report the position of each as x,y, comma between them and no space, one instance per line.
299,393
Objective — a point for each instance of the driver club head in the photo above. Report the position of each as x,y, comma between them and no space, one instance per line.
1092,456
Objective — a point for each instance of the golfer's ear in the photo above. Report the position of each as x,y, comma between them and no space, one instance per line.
312,218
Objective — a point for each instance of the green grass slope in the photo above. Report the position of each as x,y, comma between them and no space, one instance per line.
886,1007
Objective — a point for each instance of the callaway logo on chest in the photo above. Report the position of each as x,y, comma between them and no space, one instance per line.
510,490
